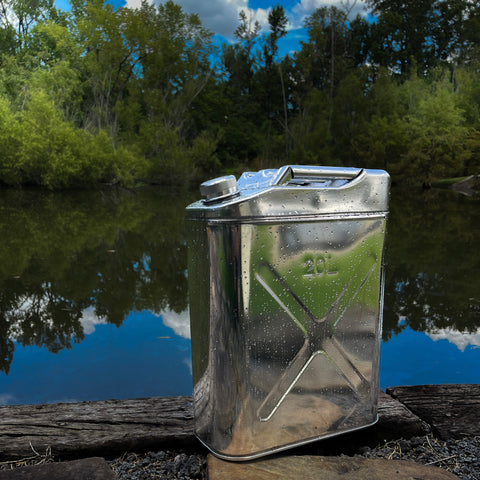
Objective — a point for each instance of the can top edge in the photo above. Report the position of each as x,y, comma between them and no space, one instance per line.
293,191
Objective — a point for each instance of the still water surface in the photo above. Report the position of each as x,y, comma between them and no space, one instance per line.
93,294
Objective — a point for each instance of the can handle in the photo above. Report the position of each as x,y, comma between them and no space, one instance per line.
314,173
306,171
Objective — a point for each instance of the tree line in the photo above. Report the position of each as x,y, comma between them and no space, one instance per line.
98,94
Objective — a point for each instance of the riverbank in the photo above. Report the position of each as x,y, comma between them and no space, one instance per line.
468,186
153,438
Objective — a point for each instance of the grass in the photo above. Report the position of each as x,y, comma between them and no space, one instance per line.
35,459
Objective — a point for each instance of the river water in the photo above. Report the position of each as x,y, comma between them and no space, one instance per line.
93,293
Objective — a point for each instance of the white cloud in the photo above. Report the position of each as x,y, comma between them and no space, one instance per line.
460,339
178,322
188,362
219,16
89,320
309,6
222,16
134,3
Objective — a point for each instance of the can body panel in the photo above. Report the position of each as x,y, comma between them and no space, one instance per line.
285,321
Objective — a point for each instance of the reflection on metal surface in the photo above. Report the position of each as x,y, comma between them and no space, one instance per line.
285,303
319,339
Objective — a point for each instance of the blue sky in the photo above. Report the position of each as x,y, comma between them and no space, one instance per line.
221,16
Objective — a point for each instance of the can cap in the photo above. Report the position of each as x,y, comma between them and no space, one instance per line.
219,188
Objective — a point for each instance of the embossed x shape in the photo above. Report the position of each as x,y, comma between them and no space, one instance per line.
319,334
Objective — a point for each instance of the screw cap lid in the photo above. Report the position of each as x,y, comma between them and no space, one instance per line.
218,188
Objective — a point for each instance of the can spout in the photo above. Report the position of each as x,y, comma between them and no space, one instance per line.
219,188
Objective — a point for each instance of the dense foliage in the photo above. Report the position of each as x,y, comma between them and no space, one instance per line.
98,94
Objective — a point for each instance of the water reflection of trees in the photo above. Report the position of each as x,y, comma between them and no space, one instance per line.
62,254
433,261
118,252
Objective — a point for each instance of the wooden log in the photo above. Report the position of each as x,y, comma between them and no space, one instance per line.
453,411
397,421
113,427
106,428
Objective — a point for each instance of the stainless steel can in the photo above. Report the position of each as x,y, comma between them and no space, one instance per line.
286,296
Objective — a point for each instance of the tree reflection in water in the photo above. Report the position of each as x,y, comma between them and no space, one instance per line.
66,253
432,263
66,256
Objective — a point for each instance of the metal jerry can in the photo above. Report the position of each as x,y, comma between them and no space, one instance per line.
286,295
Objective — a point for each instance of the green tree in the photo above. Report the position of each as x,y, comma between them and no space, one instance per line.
437,133
273,91
277,21
333,52
416,130
172,72
349,115
310,129
62,84
404,32
107,61
469,37
467,87
383,140
242,114
423,34
20,16
11,140
142,69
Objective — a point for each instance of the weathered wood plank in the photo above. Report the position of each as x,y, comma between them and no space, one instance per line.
112,427
104,427
396,421
453,411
